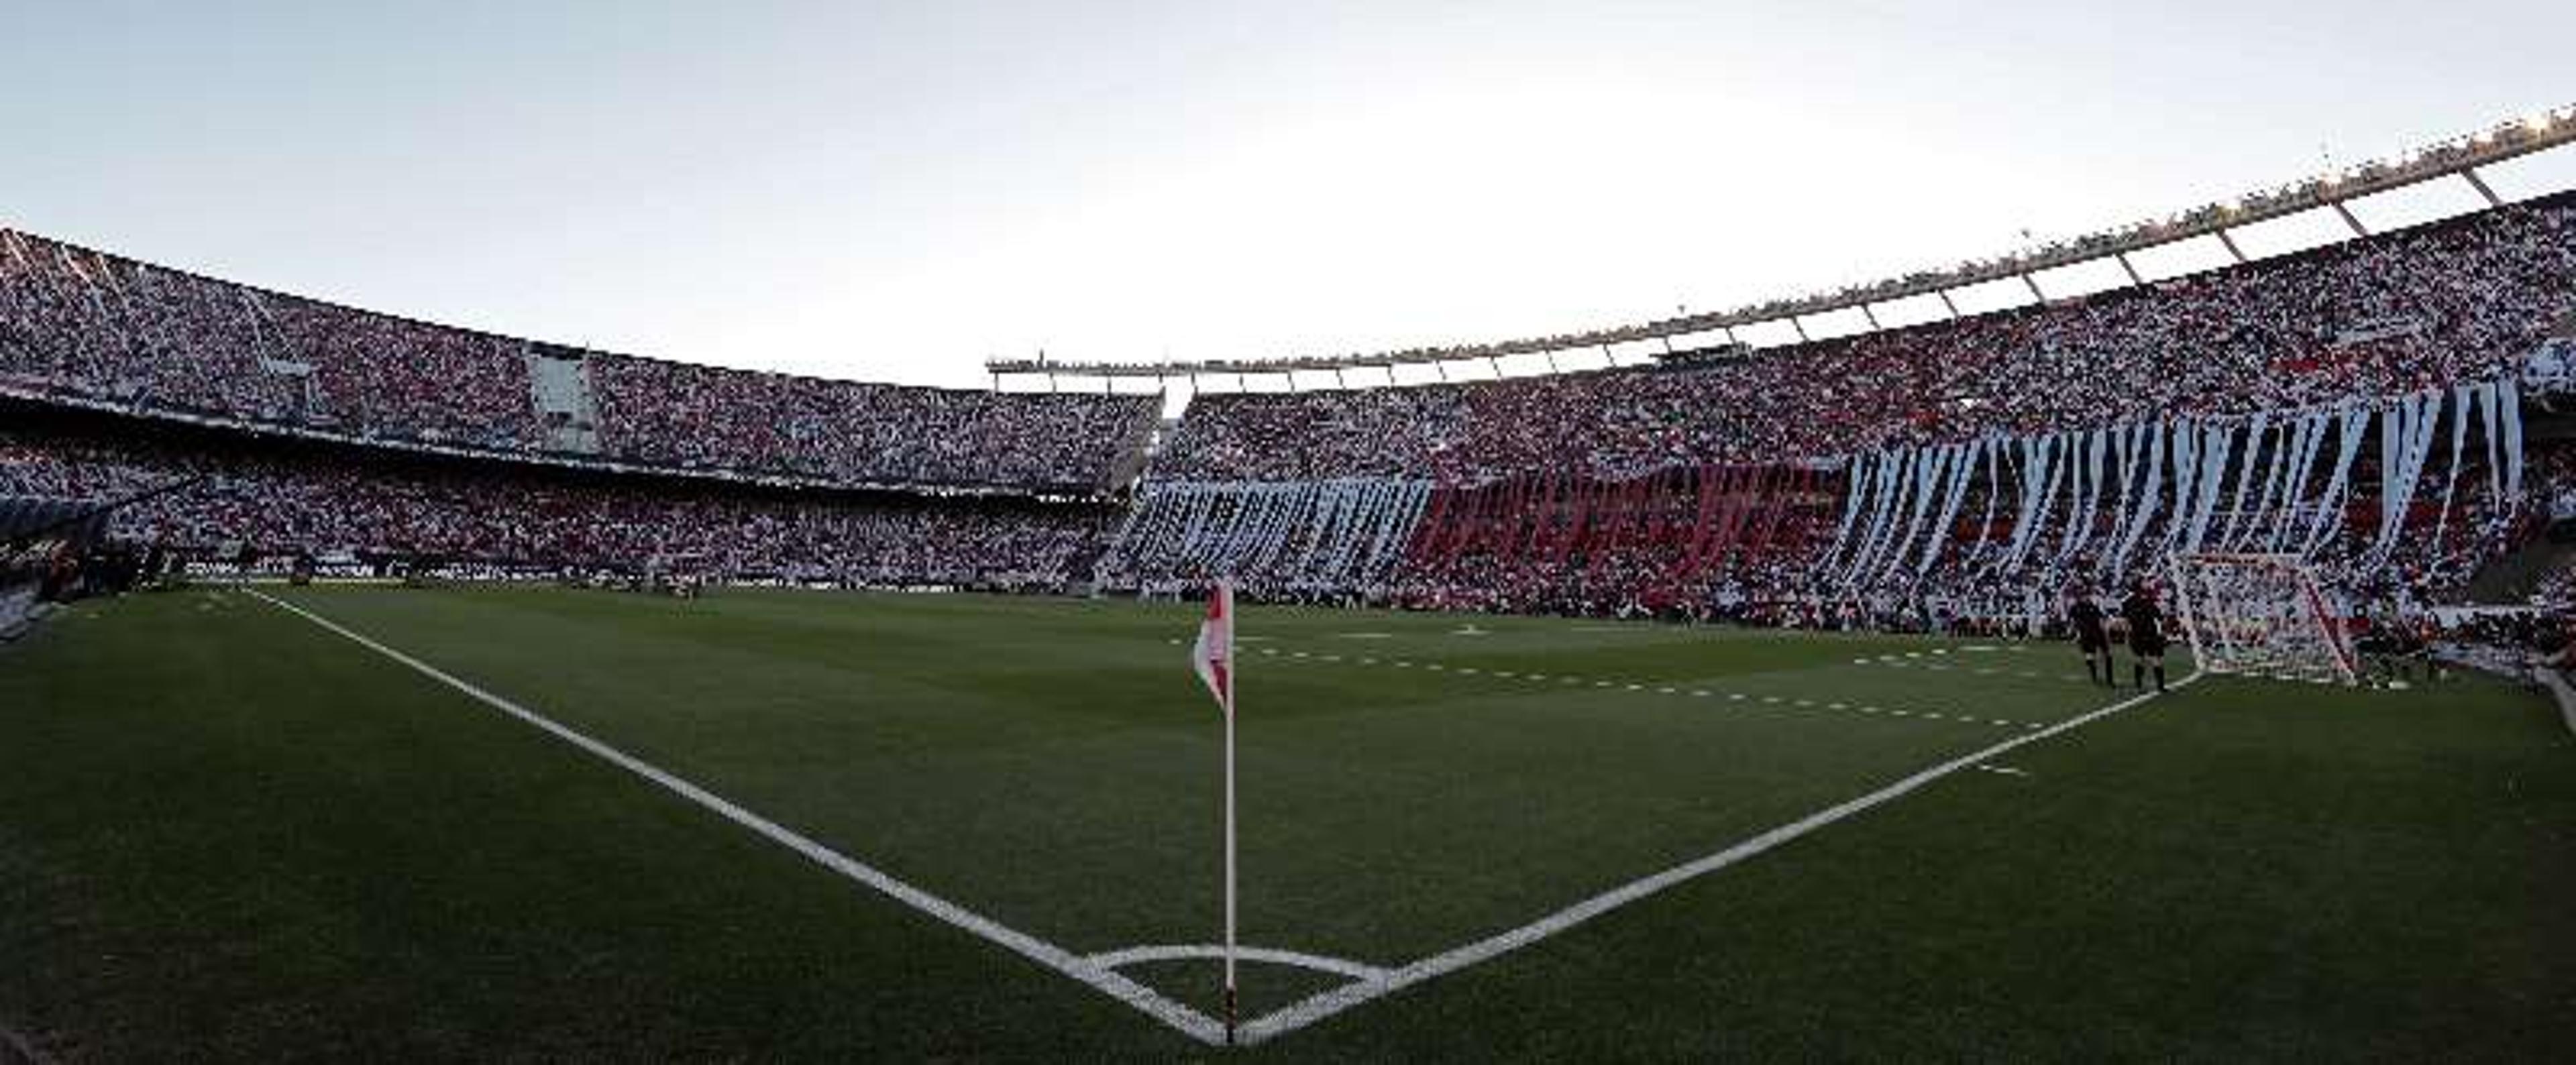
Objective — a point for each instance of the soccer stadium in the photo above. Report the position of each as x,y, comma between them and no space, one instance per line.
2056,655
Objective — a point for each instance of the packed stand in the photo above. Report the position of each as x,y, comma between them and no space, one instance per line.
2455,301
270,501
78,324
1764,548
674,414
75,322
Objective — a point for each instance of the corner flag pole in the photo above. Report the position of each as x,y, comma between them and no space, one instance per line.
1213,657
1229,849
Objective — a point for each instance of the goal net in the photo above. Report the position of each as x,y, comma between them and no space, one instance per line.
2259,615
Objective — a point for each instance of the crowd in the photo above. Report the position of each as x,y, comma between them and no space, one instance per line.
700,416
1778,549
2554,588
78,323
1796,577
1628,492
2457,301
273,501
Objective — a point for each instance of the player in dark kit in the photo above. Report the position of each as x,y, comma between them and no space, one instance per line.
2146,634
2085,617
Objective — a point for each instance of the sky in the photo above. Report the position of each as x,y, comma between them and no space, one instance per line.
901,191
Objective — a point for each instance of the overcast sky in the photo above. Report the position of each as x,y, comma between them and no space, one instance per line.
897,192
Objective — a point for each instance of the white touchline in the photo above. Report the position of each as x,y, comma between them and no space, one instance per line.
1144,999
1326,1004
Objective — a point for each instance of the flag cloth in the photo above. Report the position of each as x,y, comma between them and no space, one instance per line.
1214,653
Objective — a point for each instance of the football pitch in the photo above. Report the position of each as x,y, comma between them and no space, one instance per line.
491,822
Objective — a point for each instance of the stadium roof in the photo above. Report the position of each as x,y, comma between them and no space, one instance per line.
2456,157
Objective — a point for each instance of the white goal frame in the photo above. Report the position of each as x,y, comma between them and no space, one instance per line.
2212,646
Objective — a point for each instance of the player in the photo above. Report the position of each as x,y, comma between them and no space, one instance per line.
2146,634
2085,617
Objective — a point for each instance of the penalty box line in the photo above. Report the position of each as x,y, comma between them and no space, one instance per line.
1183,1019
1326,1004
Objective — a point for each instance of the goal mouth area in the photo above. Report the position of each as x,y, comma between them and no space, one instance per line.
2260,615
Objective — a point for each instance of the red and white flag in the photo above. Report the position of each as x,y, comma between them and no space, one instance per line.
1214,653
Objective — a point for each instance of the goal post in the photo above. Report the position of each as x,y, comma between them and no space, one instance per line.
2259,615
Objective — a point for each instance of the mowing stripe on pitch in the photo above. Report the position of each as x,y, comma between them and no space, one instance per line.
1146,1000
1326,1004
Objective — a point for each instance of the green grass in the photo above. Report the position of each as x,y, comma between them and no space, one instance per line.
225,832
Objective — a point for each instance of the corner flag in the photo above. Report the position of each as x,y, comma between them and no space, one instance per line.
1213,657
1214,653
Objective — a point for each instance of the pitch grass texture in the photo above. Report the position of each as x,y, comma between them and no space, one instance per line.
228,833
